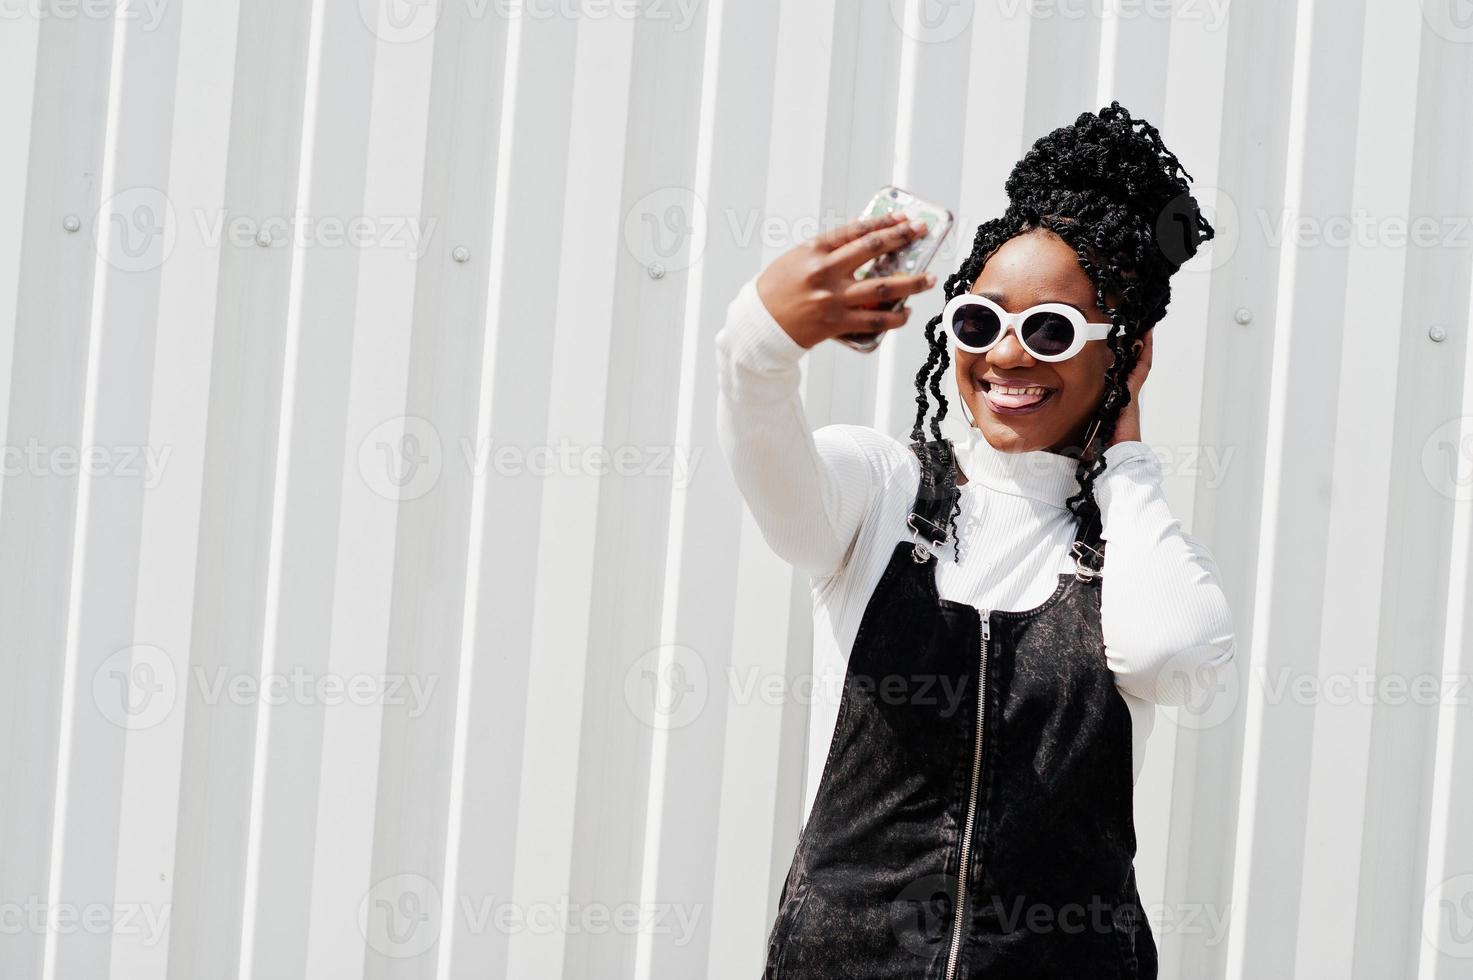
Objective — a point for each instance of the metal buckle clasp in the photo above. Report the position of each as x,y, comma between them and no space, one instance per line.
922,549
1083,572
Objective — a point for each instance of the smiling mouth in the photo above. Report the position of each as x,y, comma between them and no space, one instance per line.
1019,399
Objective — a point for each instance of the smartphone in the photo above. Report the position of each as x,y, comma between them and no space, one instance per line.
911,259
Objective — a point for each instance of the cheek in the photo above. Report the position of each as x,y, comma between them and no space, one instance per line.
1084,383
965,361
1087,373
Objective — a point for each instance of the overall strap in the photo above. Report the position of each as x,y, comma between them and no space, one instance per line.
1088,548
934,497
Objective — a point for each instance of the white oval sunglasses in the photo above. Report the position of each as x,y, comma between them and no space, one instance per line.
1048,331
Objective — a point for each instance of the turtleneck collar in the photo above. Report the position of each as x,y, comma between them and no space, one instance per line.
1038,474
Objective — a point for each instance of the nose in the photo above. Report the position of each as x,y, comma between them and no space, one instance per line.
1009,352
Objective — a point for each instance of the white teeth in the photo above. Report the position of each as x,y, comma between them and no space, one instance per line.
1030,390
1009,397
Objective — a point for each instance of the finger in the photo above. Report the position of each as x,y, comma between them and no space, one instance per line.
886,289
852,255
874,321
832,239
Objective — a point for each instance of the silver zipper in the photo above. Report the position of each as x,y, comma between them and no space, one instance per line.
961,875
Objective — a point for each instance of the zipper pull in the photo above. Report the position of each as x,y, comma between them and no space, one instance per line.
987,624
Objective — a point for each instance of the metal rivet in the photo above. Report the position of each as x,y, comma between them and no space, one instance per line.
656,270
72,223
1437,334
263,238
1244,315
461,254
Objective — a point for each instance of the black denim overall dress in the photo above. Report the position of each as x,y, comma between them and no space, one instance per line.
974,817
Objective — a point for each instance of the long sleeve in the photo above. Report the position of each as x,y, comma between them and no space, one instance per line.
807,491
1167,625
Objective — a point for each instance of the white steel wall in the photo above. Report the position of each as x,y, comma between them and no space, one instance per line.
374,599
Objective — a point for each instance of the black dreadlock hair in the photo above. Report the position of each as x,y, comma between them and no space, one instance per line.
1110,188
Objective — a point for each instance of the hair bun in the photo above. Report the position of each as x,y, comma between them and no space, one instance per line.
1105,170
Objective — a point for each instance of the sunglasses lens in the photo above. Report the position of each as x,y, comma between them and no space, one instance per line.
1048,333
975,326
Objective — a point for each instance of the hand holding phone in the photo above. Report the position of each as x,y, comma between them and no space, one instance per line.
910,259
810,290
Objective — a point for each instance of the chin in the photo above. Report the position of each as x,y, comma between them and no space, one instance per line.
1005,439
1016,435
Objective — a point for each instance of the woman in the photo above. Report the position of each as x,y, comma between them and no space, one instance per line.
973,816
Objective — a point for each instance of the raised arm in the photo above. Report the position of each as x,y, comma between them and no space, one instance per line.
1167,626
807,491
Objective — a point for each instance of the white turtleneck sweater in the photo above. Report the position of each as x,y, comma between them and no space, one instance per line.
833,503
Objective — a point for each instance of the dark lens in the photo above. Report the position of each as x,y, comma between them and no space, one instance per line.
1048,333
975,326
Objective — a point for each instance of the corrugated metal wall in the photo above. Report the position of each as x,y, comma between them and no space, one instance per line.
375,600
